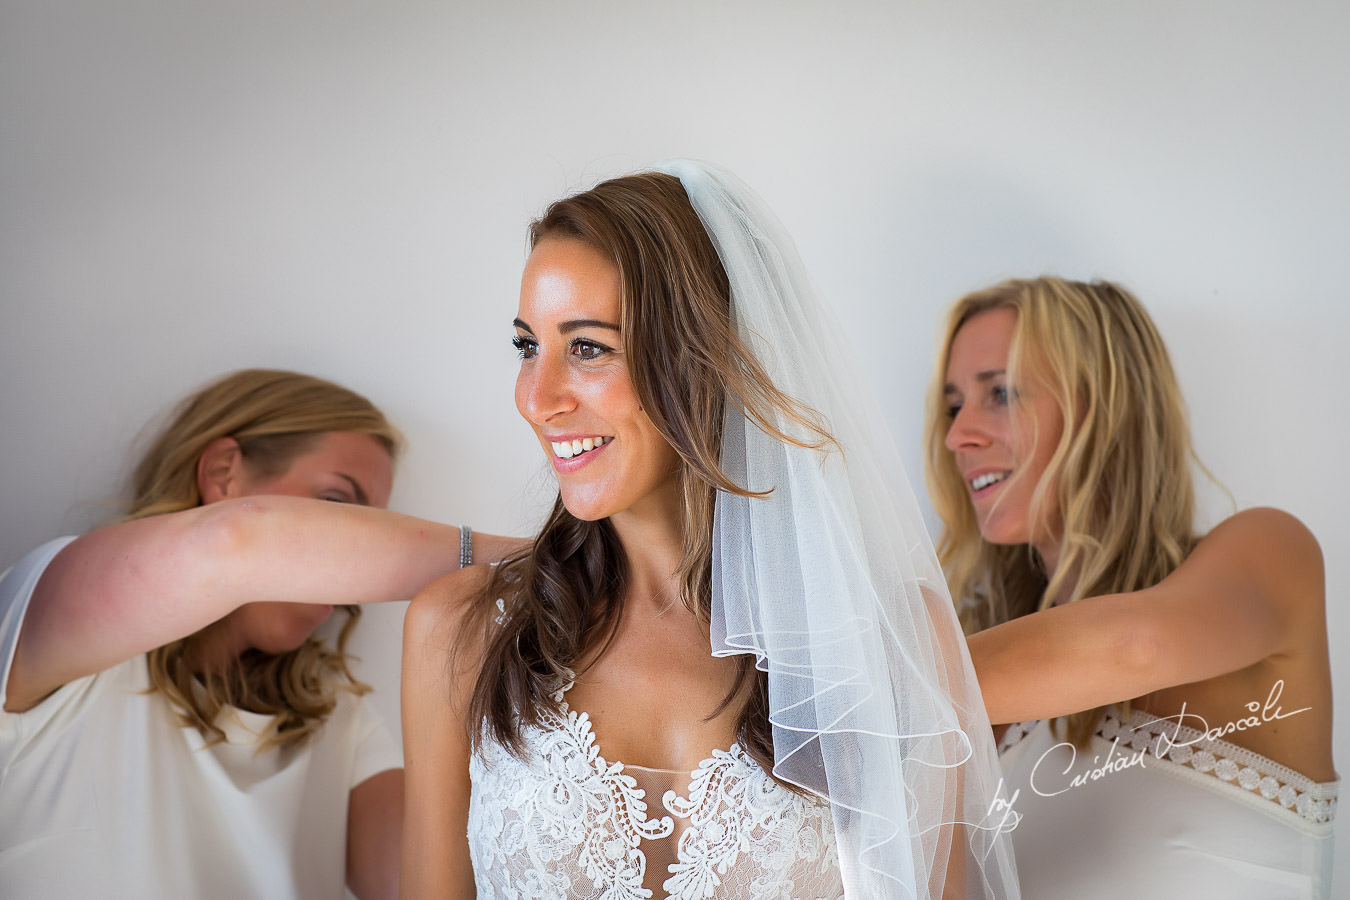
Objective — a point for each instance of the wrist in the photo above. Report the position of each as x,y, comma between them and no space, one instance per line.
465,546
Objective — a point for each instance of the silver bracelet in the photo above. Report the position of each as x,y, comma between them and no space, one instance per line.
465,546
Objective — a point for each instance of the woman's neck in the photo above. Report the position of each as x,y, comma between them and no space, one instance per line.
653,547
1050,559
653,575
215,647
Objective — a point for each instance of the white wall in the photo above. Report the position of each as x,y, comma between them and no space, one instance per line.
343,187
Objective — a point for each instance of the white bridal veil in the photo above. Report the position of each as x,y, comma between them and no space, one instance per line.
831,581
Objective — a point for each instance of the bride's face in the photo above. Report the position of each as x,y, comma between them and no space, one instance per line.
575,390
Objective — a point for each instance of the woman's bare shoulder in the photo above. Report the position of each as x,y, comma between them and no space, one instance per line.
455,615
1272,546
449,603
1265,521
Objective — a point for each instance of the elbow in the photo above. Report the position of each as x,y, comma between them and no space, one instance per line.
221,542
230,527
1140,654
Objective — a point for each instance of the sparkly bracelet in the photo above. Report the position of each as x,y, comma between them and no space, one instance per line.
465,546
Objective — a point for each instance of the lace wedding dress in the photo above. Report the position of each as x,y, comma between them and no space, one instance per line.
566,822
829,580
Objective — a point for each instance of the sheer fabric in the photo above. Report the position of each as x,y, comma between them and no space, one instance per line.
566,822
831,582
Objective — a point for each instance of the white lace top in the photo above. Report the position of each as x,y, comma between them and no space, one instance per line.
568,823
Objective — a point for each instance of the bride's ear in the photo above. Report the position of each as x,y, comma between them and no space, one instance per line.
220,470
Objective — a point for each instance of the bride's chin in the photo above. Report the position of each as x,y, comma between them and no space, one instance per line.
583,510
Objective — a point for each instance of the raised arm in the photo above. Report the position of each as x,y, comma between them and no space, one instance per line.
437,685
1253,588
120,591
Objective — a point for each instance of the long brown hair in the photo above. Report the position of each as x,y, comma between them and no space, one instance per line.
274,416
686,361
1125,497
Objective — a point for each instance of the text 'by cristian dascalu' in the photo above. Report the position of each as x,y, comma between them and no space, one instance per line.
1052,783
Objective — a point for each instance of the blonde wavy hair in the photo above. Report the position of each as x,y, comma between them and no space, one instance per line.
1120,475
274,416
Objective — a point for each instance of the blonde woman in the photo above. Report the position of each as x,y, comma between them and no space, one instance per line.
1173,688
170,728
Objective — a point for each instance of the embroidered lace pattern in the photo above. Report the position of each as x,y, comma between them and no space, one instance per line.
567,823
1313,802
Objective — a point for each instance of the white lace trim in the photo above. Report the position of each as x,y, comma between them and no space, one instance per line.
1312,801
734,808
568,823
1015,733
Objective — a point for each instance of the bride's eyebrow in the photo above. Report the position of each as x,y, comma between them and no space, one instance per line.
574,324
569,325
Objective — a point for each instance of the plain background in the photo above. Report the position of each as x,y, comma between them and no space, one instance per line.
343,187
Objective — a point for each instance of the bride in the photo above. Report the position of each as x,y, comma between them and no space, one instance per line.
728,665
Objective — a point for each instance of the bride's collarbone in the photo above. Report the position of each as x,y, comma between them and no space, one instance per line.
657,717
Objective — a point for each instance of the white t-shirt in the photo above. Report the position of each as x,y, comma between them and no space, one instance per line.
104,794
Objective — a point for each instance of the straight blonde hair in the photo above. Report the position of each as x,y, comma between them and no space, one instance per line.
274,416
1121,470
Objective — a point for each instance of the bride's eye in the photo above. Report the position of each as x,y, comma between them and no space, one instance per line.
527,348
588,349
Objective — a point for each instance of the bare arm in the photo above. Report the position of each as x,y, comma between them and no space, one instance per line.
374,829
120,591
436,740
1237,600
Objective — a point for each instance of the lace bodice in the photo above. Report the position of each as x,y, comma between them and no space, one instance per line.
568,823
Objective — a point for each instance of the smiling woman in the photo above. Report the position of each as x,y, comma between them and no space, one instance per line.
1003,449
669,694
1177,686
164,667
574,387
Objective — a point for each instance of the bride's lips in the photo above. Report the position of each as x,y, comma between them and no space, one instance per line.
576,446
